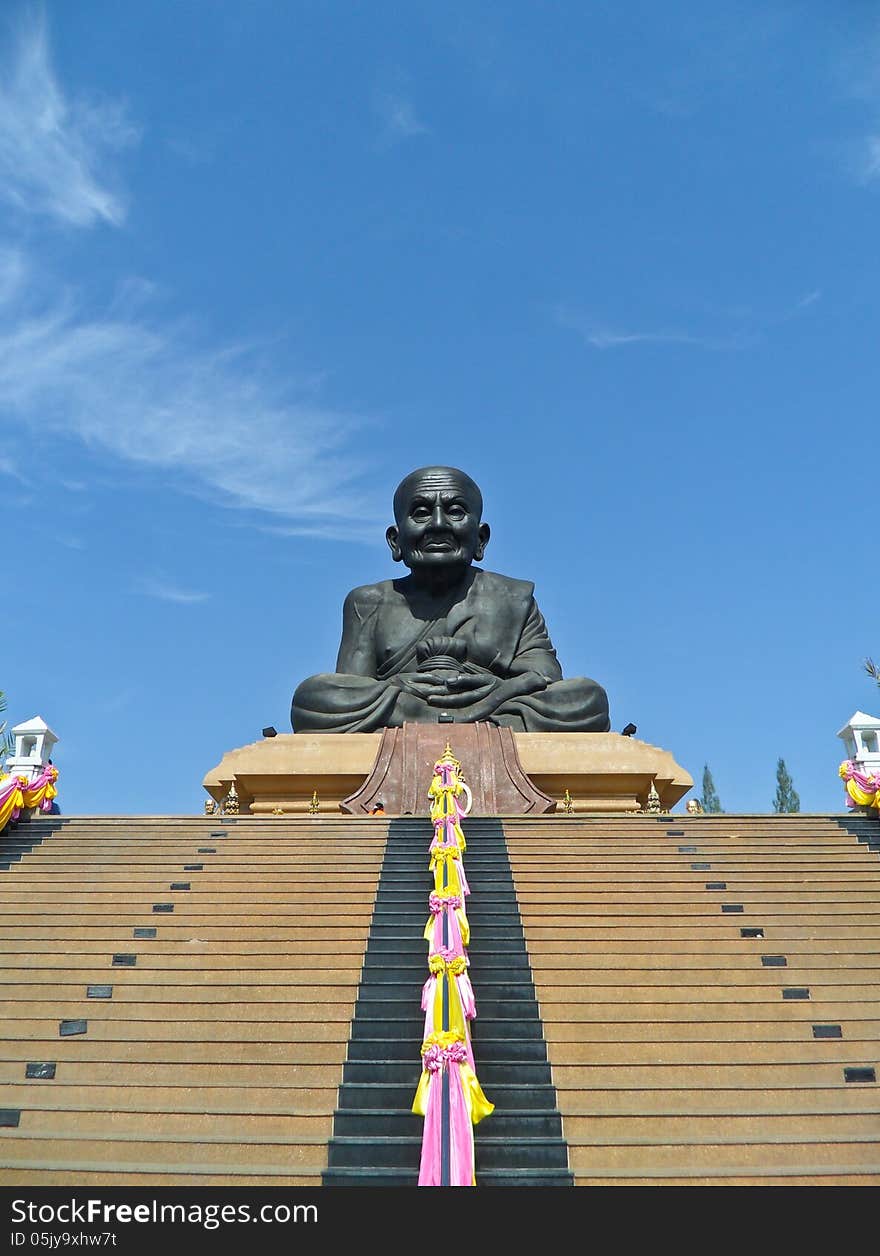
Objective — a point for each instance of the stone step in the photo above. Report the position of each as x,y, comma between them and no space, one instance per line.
204,1071
490,995
368,1122
237,1127
507,1095
367,1025
192,1154
489,1072
490,1177
396,1151
488,1049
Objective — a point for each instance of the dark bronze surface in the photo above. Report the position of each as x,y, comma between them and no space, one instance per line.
449,643
405,765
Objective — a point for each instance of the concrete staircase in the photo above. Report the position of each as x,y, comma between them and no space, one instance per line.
189,1001
709,992
176,996
377,1140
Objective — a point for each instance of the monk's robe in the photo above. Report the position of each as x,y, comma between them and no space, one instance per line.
493,625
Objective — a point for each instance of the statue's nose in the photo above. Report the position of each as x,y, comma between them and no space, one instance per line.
438,519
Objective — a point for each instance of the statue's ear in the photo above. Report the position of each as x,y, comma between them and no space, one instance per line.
393,539
483,534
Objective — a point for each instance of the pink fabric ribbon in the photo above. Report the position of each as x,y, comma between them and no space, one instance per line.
461,1131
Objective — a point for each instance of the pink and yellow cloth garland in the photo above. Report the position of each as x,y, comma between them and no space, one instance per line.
447,1051
17,794
861,790
448,971
458,928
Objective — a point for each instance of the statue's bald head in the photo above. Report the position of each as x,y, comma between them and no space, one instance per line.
432,479
438,527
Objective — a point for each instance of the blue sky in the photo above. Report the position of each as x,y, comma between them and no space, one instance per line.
258,261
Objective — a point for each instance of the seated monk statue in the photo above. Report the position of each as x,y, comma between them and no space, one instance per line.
447,640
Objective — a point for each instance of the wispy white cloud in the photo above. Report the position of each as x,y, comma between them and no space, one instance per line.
51,148
155,586
218,421
870,165
604,338
601,336
363,530
743,326
855,71
810,299
13,272
8,467
397,116
69,541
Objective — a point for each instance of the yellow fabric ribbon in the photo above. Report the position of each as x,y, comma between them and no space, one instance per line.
445,858
443,1038
464,927
437,964
439,853
33,797
447,971
861,797
443,806
14,800
458,835
420,1101
478,1106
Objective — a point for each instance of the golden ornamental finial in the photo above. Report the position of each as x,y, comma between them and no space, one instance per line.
314,805
448,757
652,806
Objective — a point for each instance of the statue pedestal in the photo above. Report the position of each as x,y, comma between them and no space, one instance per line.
603,772
509,773
404,769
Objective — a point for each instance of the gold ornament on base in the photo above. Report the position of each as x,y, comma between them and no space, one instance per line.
567,803
314,805
447,757
652,806
230,804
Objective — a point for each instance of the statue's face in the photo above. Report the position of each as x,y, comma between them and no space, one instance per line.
438,522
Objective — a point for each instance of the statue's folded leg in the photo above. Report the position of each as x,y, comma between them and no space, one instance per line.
335,702
339,703
578,705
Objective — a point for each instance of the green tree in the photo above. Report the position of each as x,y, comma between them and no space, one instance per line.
710,800
786,799
872,669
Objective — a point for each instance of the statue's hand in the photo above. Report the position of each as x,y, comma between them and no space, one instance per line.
465,689
492,693
424,685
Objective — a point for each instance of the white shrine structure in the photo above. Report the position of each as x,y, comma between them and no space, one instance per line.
34,743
